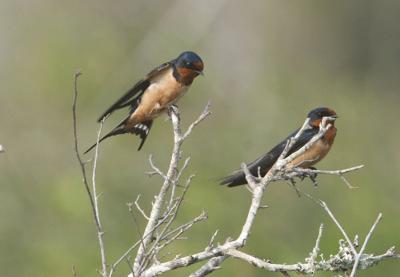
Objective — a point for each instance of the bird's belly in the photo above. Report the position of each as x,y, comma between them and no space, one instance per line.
157,98
313,155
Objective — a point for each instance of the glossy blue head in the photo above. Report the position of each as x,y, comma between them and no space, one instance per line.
190,61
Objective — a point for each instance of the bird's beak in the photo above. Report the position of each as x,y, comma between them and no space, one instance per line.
332,117
199,72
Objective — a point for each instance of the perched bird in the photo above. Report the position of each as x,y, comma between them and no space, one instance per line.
152,95
313,155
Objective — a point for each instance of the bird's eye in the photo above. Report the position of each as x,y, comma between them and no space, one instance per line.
187,63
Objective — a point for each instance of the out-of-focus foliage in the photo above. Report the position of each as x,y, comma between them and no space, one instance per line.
267,64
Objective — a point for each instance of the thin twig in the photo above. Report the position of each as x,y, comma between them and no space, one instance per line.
311,172
155,168
174,212
206,112
211,242
313,255
123,257
294,139
78,156
175,182
329,212
326,208
92,197
338,172
100,232
139,208
358,257
129,265
180,230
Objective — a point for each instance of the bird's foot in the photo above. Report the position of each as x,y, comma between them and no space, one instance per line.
313,177
172,109
293,184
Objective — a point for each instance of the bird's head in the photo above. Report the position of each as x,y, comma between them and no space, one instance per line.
189,65
316,116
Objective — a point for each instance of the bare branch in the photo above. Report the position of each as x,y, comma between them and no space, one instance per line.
170,179
156,210
175,182
123,257
180,230
347,182
350,244
294,139
92,197
211,242
334,264
139,208
328,211
155,168
173,211
209,267
358,257
338,172
100,232
313,255
206,112
264,264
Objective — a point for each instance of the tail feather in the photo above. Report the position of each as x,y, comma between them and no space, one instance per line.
117,131
141,129
235,179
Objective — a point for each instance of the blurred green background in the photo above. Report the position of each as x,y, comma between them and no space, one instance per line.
267,63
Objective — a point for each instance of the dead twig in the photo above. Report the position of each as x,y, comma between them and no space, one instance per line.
93,198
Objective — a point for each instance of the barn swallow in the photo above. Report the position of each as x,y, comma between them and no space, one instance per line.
313,155
153,95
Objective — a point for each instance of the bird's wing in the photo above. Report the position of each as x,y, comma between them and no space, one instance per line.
266,161
132,97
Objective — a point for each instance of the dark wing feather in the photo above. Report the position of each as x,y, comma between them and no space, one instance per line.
266,161
160,68
127,99
132,97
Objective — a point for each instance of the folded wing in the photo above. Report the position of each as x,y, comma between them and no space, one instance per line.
264,163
